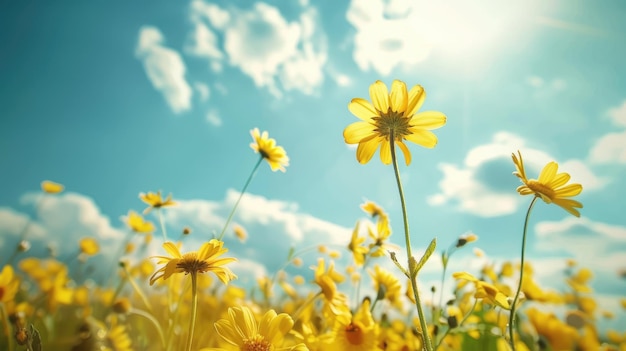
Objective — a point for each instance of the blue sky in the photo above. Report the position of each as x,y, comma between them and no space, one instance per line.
117,98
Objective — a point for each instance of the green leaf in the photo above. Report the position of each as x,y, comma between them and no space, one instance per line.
35,339
429,251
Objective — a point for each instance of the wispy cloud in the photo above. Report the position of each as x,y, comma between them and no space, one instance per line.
165,69
214,118
611,147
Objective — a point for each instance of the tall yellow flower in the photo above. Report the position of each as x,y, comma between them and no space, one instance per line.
391,115
155,201
204,260
241,329
276,156
550,186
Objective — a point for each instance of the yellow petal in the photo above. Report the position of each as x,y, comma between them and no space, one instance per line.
367,149
228,333
380,96
559,180
428,120
385,152
548,172
568,205
172,249
464,275
417,95
362,109
357,131
424,138
568,190
399,96
405,151
51,187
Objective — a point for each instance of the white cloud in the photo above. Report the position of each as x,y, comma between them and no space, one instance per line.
214,118
483,185
618,115
15,225
396,33
203,91
165,69
610,148
263,45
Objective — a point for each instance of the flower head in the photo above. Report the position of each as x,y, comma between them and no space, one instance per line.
550,186
9,284
485,291
156,201
242,330
266,146
138,224
51,187
391,115
89,246
204,260
355,246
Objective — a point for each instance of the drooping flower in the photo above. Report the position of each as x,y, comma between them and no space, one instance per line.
355,246
391,115
387,285
275,155
550,186
138,224
242,330
373,209
485,290
156,201
204,260
51,187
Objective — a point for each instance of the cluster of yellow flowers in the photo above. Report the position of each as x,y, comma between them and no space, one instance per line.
172,302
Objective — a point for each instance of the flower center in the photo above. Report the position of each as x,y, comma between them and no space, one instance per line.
257,343
190,263
354,334
541,189
392,121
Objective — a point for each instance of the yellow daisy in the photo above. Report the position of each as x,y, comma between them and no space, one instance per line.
550,186
387,285
266,146
205,260
156,201
9,284
392,115
241,329
359,333
355,246
89,246
51,187
138,224
485,291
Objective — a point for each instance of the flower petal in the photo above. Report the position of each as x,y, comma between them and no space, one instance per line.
428,120
362,109
357,131
417,95
380,96
559,180
405,151
399,97
568,191
568,205
385,152
548,172
367,149
172,249
424,138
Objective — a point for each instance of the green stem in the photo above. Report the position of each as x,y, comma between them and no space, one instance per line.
137,289
152,320
7,325
243,191
407,239
521,276
194,308
298,312
162,224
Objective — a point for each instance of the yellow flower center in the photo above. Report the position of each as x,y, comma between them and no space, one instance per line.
541,189
392,121
257,343
354,335
190,263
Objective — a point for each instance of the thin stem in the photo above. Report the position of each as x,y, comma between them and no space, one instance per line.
407,239
521,276
137,289
296,314
243,191
162,224
7,325
152,320
194,308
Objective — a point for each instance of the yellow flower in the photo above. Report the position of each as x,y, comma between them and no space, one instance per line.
118,338
241,329
391,116
51,187
89,246
266,146
138,224
155,201
359,333
358,251
485,290
373,209
550,186
240,233
8,284
466,239
387,285
380,246
205,260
